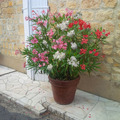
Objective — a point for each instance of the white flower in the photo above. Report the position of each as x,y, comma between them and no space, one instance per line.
73,61
49,67
71,33
58,26
73,45
44,42
73,58
59,56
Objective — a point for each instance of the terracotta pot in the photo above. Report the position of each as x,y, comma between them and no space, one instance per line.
64,91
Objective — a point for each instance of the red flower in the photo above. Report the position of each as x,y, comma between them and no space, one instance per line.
84,41
103,30
81,28
96,54
94,50
85,36
107,34
98,33
75,22
86,26
83,51
90,52
82,66
70,25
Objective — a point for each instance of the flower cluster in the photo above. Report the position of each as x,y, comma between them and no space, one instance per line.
63,45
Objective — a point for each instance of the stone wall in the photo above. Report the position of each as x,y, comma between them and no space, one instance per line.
11,29
105,13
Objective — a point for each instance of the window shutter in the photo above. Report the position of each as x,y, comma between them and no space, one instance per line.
38,6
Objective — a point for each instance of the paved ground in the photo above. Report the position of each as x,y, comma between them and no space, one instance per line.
9,110
37,97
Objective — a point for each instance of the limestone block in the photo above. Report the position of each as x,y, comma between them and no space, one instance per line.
107,49
110,3
105,68
95,25
117,34
4,4
21,29
109,26
117,43
1,29
10,10
86,4
115,76
103,15
71,4
87,15
19,9
116,69
109,59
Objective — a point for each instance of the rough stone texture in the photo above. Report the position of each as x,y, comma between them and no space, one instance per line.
86,4
11,27
104,15
87,16
110,3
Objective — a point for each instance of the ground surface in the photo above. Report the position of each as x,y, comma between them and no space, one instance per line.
12,111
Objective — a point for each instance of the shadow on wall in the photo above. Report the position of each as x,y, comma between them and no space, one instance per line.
12,62
97,85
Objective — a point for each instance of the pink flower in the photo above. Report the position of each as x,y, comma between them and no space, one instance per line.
50,33
40,65
35,51
43,64
34,40
38,32
39,22
26,18
24,64
17,52
53,40
34,59
69,12
45,23
90,52
43,12
34,28
82,66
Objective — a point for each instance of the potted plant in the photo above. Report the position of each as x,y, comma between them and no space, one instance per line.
63,46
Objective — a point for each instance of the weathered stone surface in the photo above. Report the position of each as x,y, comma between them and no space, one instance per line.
10,10
0,29
109,26
117,34
105,68
117,43
106,77
88,16
109,59
110,3
116,69
103,15
116,76
107,49
86,4
95,25
4,4
71,4
18,2
21,29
